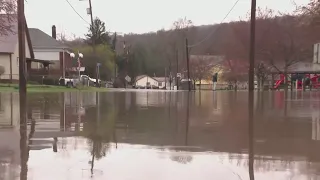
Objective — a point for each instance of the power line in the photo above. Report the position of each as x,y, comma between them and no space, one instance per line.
210,34
77,12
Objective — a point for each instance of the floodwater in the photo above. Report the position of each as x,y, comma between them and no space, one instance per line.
157,135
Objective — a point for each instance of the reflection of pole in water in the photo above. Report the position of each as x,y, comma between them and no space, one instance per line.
251,151
23,152
187,120
96,128
11,109
62,112
315,125
55,146
23,139
93,156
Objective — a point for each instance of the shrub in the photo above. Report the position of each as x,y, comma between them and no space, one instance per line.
2,70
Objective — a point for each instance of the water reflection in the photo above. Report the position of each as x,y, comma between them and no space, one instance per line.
160,135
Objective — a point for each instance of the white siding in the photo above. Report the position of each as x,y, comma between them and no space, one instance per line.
6,118
316,53
47,54
143,82
5,62
15,61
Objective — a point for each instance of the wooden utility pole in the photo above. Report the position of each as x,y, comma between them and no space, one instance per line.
177,59
92,28
251,87
93,41
22,62
22,48
22,88
187,54
165,78
252,45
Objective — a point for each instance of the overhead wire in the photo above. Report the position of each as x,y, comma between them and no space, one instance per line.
77,12
215,30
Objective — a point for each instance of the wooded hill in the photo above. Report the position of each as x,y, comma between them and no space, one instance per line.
281,41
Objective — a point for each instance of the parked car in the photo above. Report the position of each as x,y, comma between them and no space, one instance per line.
109,84
68,81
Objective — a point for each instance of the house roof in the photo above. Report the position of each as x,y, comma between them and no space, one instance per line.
9,40
160,79
142,76
41,40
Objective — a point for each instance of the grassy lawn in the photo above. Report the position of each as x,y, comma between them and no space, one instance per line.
48,88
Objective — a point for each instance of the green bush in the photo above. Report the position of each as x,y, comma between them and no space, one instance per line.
50,81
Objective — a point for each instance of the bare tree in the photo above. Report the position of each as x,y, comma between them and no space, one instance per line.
287,44
235,71
201,66
7,9
177,36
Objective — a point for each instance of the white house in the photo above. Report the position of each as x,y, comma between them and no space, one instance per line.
47,48
9,48
145,81
163,82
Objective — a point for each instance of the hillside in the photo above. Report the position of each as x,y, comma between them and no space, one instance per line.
153,52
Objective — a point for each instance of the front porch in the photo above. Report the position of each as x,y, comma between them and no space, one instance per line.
45,70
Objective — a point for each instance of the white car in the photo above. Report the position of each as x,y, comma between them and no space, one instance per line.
90,79
68,81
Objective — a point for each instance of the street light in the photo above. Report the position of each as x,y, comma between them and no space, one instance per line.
80,56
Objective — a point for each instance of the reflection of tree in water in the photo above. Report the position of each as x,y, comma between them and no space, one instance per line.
98,148
181,158
99,129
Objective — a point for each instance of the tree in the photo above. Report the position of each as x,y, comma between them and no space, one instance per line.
114,42
311,12
104,55
201,67
98,33
235,71
7,9
2,70
281,42
286,44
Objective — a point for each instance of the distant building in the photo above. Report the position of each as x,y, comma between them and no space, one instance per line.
9,49
147,82
48,48
44,54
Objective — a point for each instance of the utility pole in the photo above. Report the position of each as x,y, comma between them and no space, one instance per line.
93,40
92,28
187,54
177,60
165,78
22,62
251,87
252,45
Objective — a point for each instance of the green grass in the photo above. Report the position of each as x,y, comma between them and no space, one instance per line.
48,88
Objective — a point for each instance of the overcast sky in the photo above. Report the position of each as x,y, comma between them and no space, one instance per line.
139,16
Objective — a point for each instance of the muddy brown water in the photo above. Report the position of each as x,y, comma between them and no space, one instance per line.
157,135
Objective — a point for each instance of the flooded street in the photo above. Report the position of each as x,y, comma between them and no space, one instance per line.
160,136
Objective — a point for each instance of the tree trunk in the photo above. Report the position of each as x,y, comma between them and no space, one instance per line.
259,83
286,79
200,85
235,85
272,81
262,83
